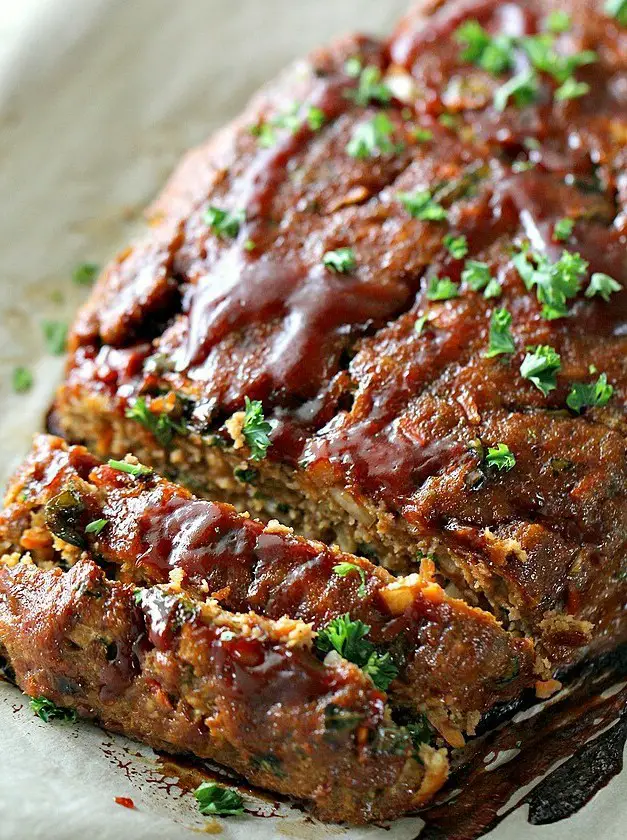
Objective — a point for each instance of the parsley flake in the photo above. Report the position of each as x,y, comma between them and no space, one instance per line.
618,10
162,426
55,336
501,339
216,800
476,275
522,88
500,457
47,710
563,229
347,638
422,135
541,367
345,569
372,138
85,274
96,526
422,205
588,394
558,21
352,66
492,53
457,246
419,324
602,285
22,380
555,283
224,223
572,89
134,470
341,260
256,429
442,288
371,88
315,117
493,289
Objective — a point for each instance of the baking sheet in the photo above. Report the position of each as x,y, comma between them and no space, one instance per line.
98,98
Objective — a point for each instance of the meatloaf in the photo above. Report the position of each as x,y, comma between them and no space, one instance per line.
386,308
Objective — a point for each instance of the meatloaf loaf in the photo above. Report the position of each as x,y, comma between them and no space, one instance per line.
386,307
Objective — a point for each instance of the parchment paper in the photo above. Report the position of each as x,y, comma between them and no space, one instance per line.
98,98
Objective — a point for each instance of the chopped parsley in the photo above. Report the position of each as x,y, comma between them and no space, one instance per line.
372,138
224,222
558,21
216,800
442,288
493,289
371,88
422,205
265,134
419,324
347,638
135,470
617,9
352,66
22,380
422,135
522,88
85,273
476,275
541,367
602,285
555,283
588,394
96,526
341,260
572,89
492,53
256,429
345,569
47,710
315,117
337,718
563,229
162,426
55,336
457,246
500,457
501,339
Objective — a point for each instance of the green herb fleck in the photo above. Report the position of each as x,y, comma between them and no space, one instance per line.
347,638
501,339
345,569
602,285
500,457
541,367
442,288
572,89
457,246
370,88
338,718
315,118
162,426
224,222
617,9
352,67
216,800
246,475
341,260
558,21
588,394
47,710
476,275
372,138
555,283
422,205
135,470
22,380
522,88
85,273
493,289
256,429
96,526
493,54
563,229
419,324
55,336
265,133
422,135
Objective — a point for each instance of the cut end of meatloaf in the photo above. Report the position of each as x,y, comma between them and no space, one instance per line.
448,661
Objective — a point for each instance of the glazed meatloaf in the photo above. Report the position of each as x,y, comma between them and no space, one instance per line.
386,308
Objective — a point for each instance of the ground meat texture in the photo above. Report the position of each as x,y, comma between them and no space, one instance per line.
454,661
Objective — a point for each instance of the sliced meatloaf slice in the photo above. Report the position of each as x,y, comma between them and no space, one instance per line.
186,676
444,658
412,254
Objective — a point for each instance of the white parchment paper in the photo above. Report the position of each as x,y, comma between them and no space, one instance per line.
98,98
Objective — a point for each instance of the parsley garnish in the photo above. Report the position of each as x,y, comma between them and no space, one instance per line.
457,246
422,205
131,469
501,339
541,367
371,88
617,9
347,638
422,135
555,283
558,21
500,457
216,800
602,285
563,229
340,260
476,275
22,380
572,89
55,336
315,118
161,425
494,54
85,274
372,137
493,289
256,429
345,569
47,710
522,88
96,526
419,324
224,222
265,134
352,66
584,394
442,288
